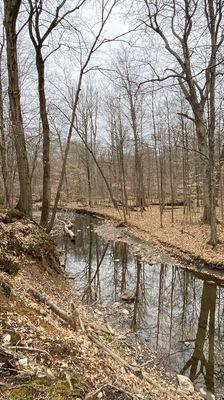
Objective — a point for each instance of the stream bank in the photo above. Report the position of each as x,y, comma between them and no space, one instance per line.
173,239
42,356
174,311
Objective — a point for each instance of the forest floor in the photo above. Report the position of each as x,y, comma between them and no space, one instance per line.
186,239
42,356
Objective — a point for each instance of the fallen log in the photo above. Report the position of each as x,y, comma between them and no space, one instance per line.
70,319
107,350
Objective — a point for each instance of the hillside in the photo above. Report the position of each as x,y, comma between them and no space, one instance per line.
44,357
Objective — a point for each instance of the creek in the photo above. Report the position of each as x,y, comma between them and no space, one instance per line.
179,312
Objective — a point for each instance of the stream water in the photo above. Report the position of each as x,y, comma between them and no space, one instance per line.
180,314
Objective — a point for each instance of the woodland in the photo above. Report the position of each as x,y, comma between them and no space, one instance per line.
113,103
111,199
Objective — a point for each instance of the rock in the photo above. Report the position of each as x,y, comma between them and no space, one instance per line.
185,384
7,339
125,312
206,395
87,397
116,304
128,296
15,337
50,373
98,312
23,362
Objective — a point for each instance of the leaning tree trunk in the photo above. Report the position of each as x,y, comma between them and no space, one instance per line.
11,10
46,140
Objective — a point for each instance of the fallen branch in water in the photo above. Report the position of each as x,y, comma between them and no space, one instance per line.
67,228
69,232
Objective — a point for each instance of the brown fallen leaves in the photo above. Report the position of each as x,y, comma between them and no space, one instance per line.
41,346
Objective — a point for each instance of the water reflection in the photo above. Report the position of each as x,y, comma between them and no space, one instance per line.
177,311
198,364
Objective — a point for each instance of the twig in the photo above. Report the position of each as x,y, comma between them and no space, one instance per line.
60,313
136,370
32,349
82,326
107,350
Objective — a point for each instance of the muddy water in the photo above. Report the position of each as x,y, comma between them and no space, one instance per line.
180,314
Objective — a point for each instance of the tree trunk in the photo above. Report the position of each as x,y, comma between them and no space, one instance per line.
11,10
204,156
3,141
46,139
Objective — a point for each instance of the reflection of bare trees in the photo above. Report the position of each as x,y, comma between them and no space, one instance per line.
137,295
160,301
124,261
95,278
172,306
198,364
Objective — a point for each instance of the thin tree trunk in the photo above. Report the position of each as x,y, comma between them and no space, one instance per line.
3,140
212,116
170,165
46,199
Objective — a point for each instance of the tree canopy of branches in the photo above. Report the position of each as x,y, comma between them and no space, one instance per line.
128,116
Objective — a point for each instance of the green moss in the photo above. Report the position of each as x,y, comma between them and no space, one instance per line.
47,389
15,214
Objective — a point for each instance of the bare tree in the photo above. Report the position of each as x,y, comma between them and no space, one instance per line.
39,37
181,21
11,10
106,10
134,116
3,150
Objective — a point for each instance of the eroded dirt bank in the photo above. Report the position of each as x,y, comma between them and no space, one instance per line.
44,357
